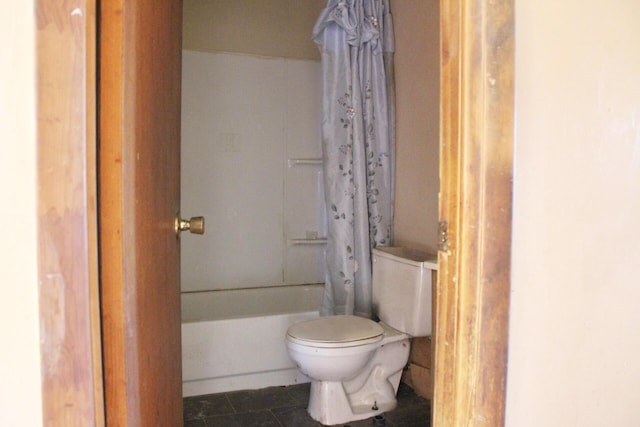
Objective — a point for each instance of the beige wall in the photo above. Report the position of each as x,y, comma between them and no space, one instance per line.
279,28
416,25
20,395
574,346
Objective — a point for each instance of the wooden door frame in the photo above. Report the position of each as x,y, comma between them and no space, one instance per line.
71,355
477,113
476,169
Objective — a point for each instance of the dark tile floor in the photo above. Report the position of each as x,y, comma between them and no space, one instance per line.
286,407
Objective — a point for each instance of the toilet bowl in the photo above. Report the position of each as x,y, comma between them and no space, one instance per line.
355,364
333,348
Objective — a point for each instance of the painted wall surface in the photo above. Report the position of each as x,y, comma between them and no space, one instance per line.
245,119
251,102
416,26
20,392
575,309
280,28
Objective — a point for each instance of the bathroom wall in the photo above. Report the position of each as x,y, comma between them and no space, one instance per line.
244,119
279,28
416,25
251,101
574,341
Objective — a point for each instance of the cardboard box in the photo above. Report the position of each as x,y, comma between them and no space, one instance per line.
421,352
421,380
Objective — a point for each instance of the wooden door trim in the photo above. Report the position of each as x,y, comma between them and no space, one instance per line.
117,191
72,392
111,172
476,167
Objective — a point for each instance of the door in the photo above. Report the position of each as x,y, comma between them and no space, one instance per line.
139,166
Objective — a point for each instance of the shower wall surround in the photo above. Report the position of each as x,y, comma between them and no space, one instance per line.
246,120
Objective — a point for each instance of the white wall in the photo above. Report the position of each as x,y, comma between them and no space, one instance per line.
20,393
575,312
243,118
246,111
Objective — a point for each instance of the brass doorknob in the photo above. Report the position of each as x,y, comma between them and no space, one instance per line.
195,225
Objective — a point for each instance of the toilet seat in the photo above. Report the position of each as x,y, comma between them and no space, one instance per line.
335,331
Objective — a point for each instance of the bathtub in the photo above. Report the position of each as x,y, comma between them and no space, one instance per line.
235,339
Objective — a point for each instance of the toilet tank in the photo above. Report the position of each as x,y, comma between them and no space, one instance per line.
402,296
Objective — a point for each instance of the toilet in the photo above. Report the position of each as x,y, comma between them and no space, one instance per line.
354,363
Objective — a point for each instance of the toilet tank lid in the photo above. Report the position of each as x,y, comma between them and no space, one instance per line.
408,256
336,330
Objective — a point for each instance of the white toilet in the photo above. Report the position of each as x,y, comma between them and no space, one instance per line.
355,364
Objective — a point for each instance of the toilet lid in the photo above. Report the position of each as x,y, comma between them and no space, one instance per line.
336,331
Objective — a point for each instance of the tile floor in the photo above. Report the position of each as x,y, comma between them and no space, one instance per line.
286,407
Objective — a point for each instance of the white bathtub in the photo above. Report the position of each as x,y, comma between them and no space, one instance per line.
234,339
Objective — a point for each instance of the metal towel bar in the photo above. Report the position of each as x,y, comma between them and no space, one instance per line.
319,241
298,162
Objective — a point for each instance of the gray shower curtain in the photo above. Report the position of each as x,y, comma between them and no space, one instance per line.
358,142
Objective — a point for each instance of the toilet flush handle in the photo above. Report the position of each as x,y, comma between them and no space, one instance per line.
195,224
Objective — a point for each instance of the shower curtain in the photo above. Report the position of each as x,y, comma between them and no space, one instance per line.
358,144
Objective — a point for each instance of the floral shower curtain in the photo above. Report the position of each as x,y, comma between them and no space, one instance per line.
358,142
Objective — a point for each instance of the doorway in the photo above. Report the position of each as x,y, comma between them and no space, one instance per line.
251,152
475,190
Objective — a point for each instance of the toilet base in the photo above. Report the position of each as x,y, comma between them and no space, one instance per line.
370,393
329,405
